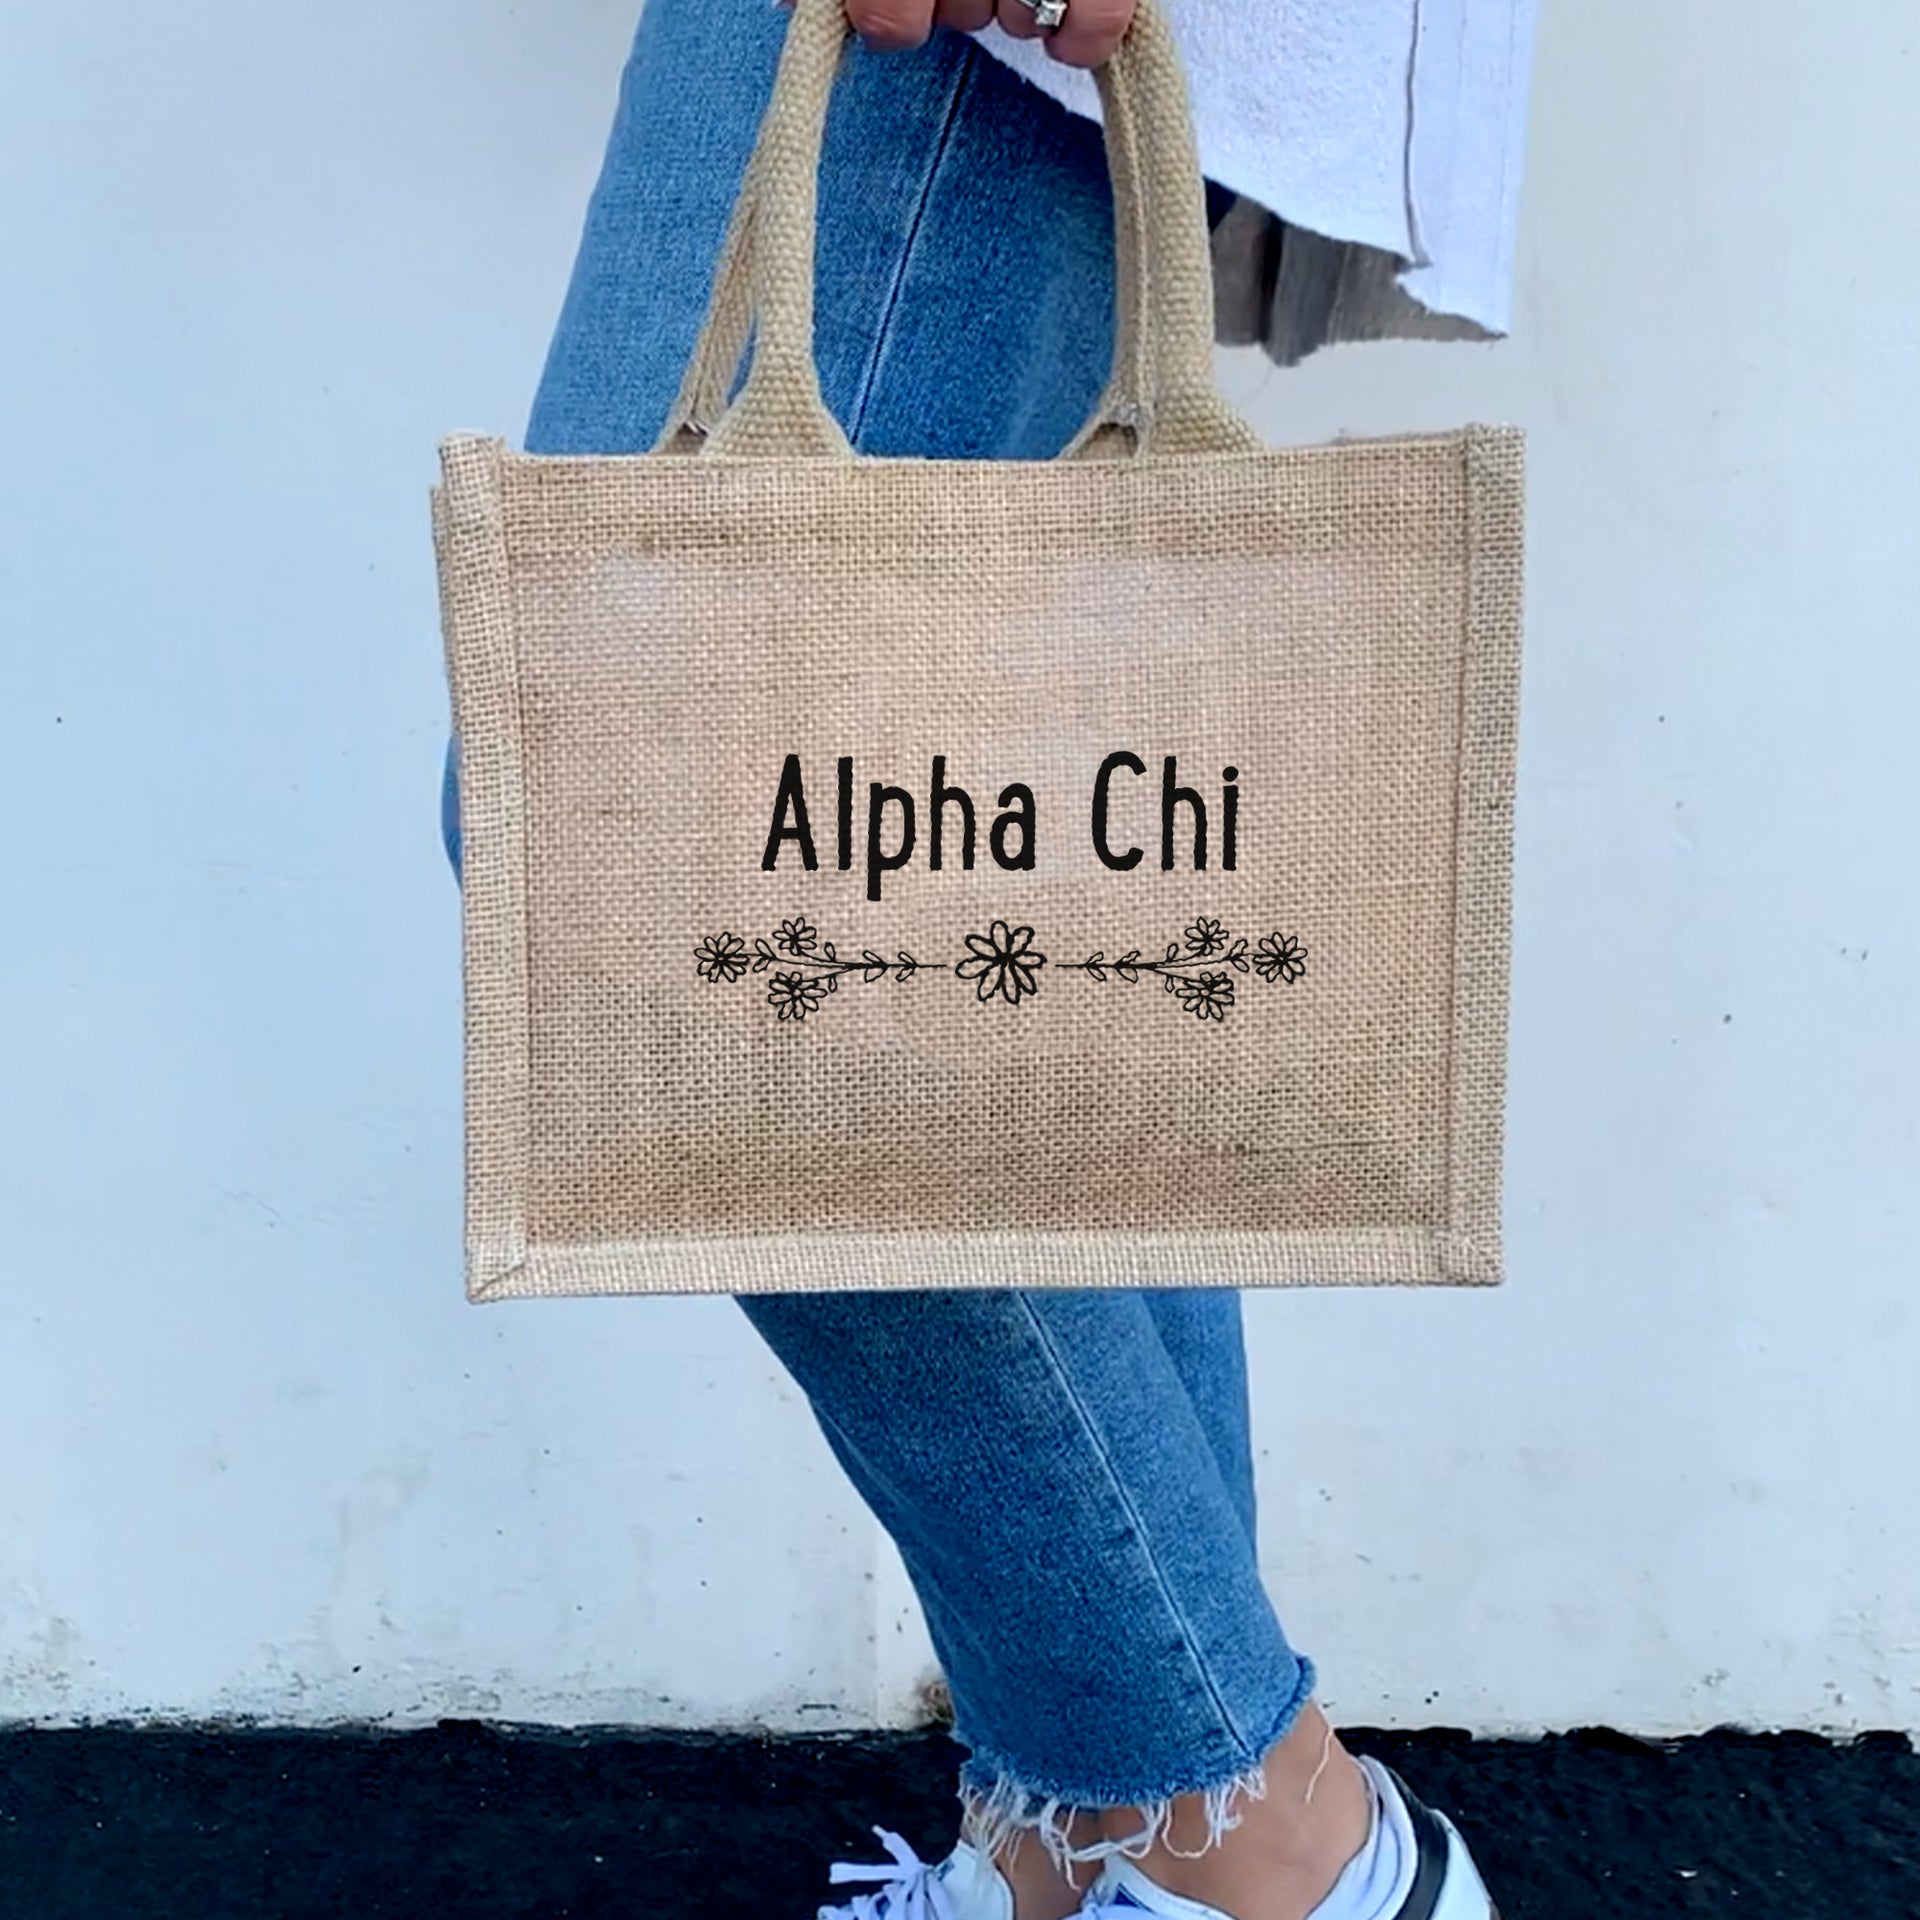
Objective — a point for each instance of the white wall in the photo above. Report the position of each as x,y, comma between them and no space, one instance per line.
257,1455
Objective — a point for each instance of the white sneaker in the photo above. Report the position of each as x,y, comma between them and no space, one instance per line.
1441,1882
966,1885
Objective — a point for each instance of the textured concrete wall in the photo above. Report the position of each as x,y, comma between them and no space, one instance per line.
259,1455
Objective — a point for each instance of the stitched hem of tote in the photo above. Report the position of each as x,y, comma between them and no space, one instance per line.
792,1262
998,1800
477,621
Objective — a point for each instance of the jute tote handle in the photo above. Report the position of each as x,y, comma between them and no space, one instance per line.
704,388
1160,397
1115,425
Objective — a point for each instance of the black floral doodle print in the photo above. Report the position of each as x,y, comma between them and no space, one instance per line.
1002,961
796,937
721,956
1277,957
793,996
1209,997
1002,964
1205,938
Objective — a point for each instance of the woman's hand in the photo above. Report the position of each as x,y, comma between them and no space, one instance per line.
1088,35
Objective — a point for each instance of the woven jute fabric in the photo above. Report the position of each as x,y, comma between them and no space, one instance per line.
688,1072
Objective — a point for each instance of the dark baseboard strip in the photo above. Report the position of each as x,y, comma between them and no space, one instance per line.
474,1822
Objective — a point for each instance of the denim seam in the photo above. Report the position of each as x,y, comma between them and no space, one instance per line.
1132,1512
883,333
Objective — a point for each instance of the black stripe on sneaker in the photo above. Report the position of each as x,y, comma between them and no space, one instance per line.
1431,1851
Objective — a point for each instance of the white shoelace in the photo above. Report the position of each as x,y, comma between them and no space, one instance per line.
906,1890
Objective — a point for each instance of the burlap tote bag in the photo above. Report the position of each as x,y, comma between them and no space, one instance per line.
902,873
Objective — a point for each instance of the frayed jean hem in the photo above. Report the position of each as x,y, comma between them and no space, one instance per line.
998,1801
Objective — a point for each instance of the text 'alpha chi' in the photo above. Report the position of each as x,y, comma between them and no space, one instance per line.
1116,805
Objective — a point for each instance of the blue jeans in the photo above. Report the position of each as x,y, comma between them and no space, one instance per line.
1068,1474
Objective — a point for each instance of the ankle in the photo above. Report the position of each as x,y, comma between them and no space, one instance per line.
1288,1847
1042,1888
1326,1819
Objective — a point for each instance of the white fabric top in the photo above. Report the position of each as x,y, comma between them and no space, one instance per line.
1397,123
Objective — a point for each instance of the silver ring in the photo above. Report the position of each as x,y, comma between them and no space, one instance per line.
1047,14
